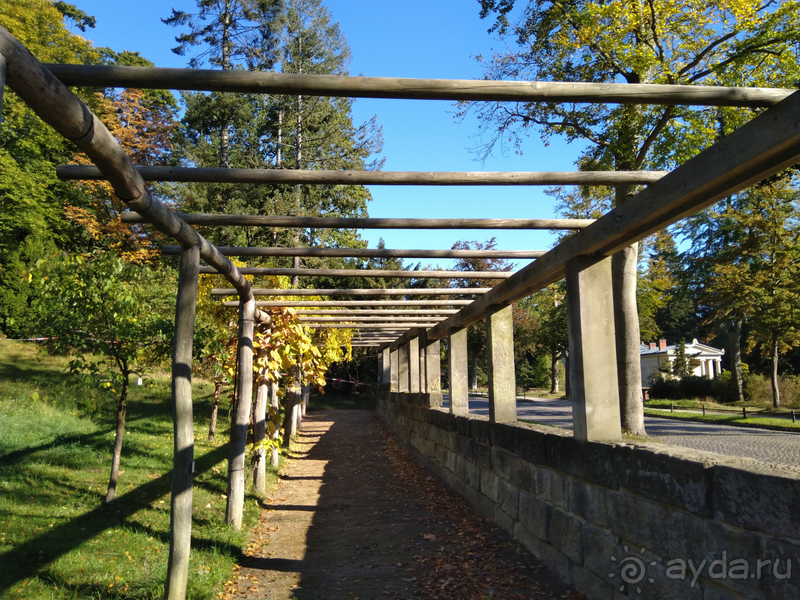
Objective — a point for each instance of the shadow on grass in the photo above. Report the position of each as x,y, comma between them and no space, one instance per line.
26,559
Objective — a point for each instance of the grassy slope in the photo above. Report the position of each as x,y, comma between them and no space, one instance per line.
57,538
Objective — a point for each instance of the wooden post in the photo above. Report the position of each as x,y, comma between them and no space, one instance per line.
275,405
502,379
260,434
457,372
413,366
2,84
592,350
182,426
241,418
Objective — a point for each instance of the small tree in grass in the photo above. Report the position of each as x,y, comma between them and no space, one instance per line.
115,317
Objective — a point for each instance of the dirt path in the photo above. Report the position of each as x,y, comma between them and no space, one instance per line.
355,518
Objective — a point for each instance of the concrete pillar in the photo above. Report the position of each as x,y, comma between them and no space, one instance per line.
423,343
403,371
457,372
413,366
386,369
592,350
394,370
502,379
433,368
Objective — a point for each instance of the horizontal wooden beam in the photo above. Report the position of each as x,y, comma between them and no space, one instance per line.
359,292
379,273
365,252
297,177
374,313
366,223
375,326
386,319
351,303
766,145
262,82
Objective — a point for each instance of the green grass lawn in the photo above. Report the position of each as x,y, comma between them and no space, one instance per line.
57,537
728,419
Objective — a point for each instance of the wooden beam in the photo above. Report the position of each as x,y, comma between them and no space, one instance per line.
365,223
766,145
351,303
372,313
379,273
320,177
365,252
358,292
376,326
382,319
69,116
262,82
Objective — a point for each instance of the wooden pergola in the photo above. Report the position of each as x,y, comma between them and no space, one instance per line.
406,329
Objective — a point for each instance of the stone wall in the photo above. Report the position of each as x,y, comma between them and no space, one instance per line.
624,520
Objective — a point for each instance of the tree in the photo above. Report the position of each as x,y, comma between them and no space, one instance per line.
116,317
715,43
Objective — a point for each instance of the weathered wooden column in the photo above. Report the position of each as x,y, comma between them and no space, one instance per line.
259,434
241,417
386,367
182,426
457,372
592,350
274,406
502,379
404,369
394,370
2,84
413,365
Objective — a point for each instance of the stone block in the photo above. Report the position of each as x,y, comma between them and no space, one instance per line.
504,435
590,502
565,535
675,476
584,580
504,521
465,447
556,562
441,419
488,484
441,455
563,454
534,515
462,425
516,470
483,456
638,520
485,506
480,429
757,496
783,581
508,499
552,487
717,592
530,442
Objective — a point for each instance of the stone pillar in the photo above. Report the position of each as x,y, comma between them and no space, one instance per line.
413,366
502,379
457,372
386,369
592,350
432,383
423,343
403,371
394,370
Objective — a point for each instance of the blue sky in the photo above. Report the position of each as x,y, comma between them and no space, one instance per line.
394,38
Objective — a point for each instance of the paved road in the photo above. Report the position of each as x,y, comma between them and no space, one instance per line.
761,444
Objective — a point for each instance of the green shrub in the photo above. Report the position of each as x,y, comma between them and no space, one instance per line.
758,390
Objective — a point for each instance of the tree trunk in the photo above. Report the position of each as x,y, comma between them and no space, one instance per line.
776,393
260,434
120,433
734,330
212,428
626,322
289,423
473,373
553,372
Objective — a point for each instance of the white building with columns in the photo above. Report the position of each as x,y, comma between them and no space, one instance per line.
658,357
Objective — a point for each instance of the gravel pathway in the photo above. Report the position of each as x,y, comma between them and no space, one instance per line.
761,444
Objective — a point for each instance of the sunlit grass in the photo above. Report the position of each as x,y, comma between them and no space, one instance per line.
57,537
727,419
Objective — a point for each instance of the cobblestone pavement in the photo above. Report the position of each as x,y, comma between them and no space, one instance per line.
761,444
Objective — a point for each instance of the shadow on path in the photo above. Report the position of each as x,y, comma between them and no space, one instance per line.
356,518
